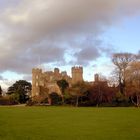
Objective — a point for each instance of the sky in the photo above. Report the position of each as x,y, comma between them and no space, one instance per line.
65,33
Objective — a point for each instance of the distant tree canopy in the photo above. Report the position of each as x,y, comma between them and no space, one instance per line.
101,93
0,91
20,90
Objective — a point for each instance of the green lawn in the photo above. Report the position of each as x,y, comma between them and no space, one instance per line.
69,123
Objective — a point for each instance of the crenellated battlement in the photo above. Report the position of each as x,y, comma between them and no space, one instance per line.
36,70
77,69
77,74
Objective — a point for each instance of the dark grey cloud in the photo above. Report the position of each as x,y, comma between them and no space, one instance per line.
90,51
56,30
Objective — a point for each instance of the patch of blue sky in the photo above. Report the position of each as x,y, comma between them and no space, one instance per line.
124,37
11,75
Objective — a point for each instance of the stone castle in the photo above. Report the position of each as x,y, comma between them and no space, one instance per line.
48,80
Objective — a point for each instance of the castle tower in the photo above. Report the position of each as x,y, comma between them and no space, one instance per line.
56,70
36,74
77,74
96,77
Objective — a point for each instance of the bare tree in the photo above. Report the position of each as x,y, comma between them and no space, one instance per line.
79,90
133,83
122,61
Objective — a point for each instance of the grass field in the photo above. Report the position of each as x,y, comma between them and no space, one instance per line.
68,123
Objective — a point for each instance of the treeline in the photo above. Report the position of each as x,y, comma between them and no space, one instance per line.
122,88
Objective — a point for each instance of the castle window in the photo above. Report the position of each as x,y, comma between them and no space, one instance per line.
41,83
36,83
51,78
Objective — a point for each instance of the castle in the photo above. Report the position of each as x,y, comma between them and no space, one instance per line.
48,80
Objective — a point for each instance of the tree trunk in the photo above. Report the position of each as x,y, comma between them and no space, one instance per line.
63,100
77,101
137,103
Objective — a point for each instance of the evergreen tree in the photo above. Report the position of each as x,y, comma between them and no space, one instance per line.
63,85
20,89
0,91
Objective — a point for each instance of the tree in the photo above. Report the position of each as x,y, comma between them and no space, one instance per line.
55,99
0,91
133,83
63,85
122,61
101,93
21,90
42,98
79,91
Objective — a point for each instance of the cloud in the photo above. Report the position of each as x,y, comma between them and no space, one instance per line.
90,50
4,83
1,78
55,29
27,77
